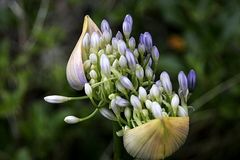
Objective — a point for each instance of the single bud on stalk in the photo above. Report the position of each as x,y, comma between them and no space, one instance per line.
105,26
123,61
141,48
95,41
86,41
155,92
71,119
139,72
108,49
142,94
107,35
127,29
108,114
156,110
128,18
146,39
132,43
115,43
135,102
126,83
56,99
119,35
121,102
155,54
131,60
88,89
127,113
93,58
105,65
121,47
175,101
182,112
191,80
93,74
182,80
136,53
166,82
149,73
148,104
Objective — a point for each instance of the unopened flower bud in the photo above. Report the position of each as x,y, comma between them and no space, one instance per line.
135,102
105,26
71,119
114,107
130,59
147,41
155,54
115,64
105,65
120,87
141,48
119,35
126,83
123,61
166,82
129,19
145,113
142,94
127,113
191,80
93,58
107,35
108,114
155,92
156,110
95,42
93,74
115,43
182,80
182,112
139,72
175,101
86,41
149,73
136,53
132,43
88,89
158,83
56,99
87,65
121,47
148,104
121,102
108,49
127,29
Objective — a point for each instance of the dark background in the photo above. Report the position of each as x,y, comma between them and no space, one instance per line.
37,38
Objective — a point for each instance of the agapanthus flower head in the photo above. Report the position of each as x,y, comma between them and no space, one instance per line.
118,76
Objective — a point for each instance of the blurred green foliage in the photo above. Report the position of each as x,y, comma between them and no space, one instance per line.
37,38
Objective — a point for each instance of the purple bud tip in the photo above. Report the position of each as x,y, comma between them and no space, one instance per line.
127,28
155,53
119,35
129,19
105,25
182,80
191,80
130,59
147,41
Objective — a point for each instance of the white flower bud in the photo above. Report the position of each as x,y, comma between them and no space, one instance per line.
156,110
121,47
56,99
71,119
105,65
175,101
141,48
93,58
123,61
121,102
115,43
166,83
139,72
107,35
95,41
119,35
88,89
135,53
86,41
105,25
149,73
108,49
126,83
142,94
135,102
182,112
132,43
148,104
107,114
145,113
87,65
158,83
115,64
93,74
155,92
127,113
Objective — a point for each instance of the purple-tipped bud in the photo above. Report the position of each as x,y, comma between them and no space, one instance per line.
139,72
95,40
121,102
155,54
135,102
191,80
128,18
142,94
108,114
123,61
115,43
130,60
120,87
182,80
119,35
126,83
158,83
156,110
127,29
105,65
105,26
146,39
114,107
132,43
121,47
166,82
86,41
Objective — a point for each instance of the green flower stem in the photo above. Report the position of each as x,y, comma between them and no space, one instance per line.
78,98
99,83
89,116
